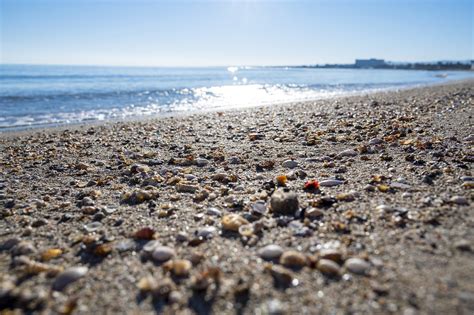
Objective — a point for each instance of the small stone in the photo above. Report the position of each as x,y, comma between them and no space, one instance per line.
259,208
328,267
331,254
23,248
181,267
282,276
463,245
290,164
69,276
330,183
357,266
9,243
283,202
206,232
201,162
270,252
467,178
293,259
93,226
246,230
234,160
163,253
184,187
151,246
459,200
125,245
214,212
375,141
232,222
348,153
469,138
313,214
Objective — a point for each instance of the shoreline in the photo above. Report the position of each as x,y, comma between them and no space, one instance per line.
44,128
174,215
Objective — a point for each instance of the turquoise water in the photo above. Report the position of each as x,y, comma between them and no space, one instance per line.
34,96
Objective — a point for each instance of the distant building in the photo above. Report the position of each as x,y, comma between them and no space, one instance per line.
369,63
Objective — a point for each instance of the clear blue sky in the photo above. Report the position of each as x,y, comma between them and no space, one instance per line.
202,33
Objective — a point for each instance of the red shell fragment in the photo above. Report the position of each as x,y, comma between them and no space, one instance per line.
311,185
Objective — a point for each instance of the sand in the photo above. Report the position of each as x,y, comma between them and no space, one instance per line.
394,234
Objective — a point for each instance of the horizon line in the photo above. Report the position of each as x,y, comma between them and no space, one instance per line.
222,65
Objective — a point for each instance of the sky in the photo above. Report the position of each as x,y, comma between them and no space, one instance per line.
223,33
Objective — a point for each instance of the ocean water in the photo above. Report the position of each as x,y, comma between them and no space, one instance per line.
36,96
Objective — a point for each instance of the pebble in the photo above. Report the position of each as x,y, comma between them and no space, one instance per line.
330,183
234,160
258,208
283,202
348,153
181,267
463,245
201,162
163,253
469,138
375,141
270,252
69,276
328,267
282,276
150,246
399,185
290,164
467,178
293,259
313,214
232,222
331,254
459,200
186,188
23,248
93,226
357,266
206,232
125,245
214,212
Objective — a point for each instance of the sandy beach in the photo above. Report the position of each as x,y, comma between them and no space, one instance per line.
358,205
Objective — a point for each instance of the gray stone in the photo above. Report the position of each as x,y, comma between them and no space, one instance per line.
283,202
69,276
270,252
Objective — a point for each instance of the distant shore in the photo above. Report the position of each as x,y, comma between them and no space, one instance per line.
366,202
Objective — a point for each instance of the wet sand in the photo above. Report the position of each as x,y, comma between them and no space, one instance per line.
367,201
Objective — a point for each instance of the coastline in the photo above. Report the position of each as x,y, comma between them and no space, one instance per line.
177,114
390,233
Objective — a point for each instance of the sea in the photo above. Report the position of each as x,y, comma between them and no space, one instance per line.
33,96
